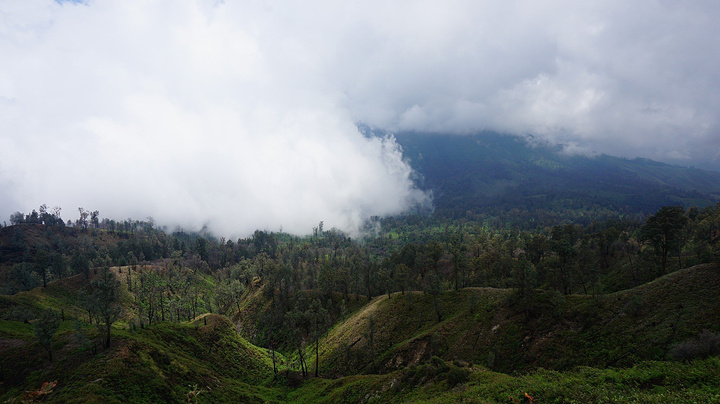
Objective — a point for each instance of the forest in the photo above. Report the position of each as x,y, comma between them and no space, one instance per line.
107,281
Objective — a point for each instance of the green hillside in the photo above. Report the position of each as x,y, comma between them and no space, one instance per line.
497,329
483,335
441,382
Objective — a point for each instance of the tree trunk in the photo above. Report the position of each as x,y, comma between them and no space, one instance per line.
317,356
436,305
107,334
303,368
680,258
272,351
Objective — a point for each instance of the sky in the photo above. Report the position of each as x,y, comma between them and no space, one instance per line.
242,115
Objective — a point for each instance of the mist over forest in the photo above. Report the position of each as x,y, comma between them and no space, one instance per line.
242,116
361,202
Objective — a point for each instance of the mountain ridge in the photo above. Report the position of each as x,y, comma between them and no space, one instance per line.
491,171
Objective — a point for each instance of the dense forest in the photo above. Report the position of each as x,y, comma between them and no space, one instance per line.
402,253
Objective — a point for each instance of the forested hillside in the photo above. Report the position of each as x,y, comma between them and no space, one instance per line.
443,302
498,174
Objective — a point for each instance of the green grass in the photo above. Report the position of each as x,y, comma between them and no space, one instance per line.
16,330
161,363
646,382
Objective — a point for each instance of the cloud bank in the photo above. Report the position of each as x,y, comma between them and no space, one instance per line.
241,115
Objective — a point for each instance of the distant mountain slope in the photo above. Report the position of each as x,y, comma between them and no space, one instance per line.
492,171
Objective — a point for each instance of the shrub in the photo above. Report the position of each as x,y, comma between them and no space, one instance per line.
702,346
439,365
457,375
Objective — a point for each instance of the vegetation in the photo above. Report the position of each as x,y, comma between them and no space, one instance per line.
525,183
420,308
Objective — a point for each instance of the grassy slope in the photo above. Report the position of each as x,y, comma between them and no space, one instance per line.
666,382
495,328
156,364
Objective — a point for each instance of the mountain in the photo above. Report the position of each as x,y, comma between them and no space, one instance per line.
490,172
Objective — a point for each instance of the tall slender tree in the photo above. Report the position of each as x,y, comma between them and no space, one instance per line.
105,296
45,328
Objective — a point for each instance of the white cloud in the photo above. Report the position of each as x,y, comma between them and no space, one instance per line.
623,78
182,111
241,114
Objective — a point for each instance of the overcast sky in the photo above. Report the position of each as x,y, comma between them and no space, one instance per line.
242,115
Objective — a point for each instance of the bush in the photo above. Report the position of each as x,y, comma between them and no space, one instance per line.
702,346
439,365
457,375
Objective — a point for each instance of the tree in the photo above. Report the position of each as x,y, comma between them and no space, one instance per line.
45,328
433,287
22,277
524,275
707,234
370,337
33,217
17,218
42,262
459,263
318,319
56,214
562,243
95,218
58,265
402,276
201,248
82,221
106,299
45,217
228,294
664,231
80,264
295,322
